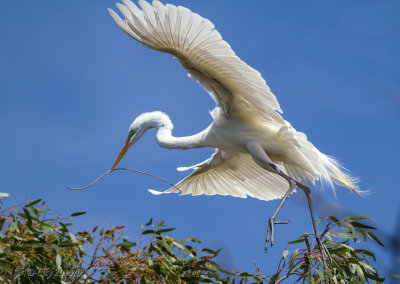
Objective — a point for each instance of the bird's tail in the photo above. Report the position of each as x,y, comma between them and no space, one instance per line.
316,165
333,171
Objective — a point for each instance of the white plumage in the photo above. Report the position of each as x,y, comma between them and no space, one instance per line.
248,132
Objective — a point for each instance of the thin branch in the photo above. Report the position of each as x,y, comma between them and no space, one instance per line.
149,174
287,275
124,169
90,184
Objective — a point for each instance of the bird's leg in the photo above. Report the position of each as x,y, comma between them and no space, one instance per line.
321,245
307,191
272,222
262,159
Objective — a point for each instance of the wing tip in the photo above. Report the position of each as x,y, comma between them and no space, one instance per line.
184,169
117,19
111,11
155,192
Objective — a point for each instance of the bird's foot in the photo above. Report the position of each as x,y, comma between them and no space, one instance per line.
270,231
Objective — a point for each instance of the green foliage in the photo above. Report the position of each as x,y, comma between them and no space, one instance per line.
397,275
165,259
348,261
38,249
35,248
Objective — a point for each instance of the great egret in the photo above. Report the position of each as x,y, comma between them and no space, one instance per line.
258,153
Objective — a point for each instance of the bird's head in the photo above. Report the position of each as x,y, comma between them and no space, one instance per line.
135,132
139,126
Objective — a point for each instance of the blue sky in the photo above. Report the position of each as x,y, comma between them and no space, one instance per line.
71,83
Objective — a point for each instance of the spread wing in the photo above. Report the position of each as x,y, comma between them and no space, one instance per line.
236,175
236,87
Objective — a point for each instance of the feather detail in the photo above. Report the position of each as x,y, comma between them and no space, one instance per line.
195,42
236,175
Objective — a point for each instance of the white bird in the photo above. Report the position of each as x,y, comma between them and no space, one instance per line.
257,152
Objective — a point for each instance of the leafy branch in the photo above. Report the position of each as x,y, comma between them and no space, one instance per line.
36,248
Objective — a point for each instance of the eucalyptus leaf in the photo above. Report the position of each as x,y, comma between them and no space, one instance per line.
358,217
348,235
30,204
78,214
296,241
360,272
396,275
373,236
361,225
285,253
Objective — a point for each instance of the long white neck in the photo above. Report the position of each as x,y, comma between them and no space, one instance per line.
166,140
164,126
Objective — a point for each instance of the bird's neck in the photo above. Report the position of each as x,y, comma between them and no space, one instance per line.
166,140
164,137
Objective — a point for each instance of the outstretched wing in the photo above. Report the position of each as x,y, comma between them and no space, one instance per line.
236,175
235,86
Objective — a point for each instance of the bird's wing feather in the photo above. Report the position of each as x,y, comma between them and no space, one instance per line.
235,86
235,175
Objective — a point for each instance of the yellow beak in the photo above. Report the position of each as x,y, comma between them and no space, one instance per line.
121,154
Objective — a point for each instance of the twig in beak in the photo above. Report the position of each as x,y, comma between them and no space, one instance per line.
90,184
123,169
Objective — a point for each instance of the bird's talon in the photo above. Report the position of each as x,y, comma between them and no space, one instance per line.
270,232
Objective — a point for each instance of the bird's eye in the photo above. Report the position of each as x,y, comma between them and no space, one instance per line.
131,133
